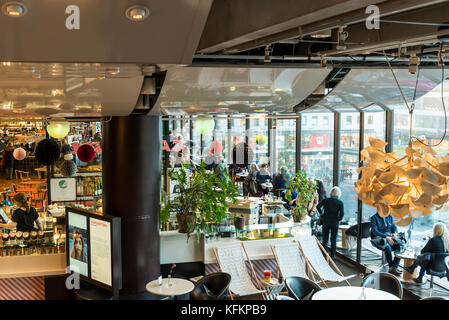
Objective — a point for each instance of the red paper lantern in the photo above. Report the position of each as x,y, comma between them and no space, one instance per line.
86,153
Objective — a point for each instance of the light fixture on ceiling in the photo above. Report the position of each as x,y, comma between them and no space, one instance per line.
113,70
268,51
413,63
322,34
342,36
14,9
137,13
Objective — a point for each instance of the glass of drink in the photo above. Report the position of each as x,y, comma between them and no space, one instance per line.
267,275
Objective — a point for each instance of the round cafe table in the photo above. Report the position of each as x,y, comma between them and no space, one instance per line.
178,287
352,293
408,257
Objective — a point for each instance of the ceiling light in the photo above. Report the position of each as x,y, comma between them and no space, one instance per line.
113,71
6,64
232,88
137,13
14,9
322,34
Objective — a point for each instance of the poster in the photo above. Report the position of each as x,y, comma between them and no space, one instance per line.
101,251
63,189
78,245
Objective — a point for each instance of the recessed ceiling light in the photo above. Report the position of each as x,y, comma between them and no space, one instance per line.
137,13
14,9
113,71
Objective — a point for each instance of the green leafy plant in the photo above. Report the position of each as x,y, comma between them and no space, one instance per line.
305,191
202,199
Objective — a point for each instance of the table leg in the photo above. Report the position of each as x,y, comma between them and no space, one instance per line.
406,275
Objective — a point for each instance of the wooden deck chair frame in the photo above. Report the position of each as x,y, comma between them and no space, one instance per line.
328,259
253,273
309,273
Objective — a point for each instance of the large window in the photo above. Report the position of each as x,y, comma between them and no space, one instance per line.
258,140
317,141
375,126
221,135
349,162
286,144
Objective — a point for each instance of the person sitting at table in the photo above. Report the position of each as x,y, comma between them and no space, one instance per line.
439,243
250,183
383,235
24,216
281,180
262,177
331,213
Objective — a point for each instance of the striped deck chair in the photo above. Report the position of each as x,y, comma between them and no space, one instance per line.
231,259
289,259
314,254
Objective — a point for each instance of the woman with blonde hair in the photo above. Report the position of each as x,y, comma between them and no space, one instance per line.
439,243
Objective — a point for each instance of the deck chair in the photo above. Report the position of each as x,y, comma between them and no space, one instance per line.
231,259
314,254
289,260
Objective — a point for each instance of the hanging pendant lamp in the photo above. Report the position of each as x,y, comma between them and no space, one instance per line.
408,187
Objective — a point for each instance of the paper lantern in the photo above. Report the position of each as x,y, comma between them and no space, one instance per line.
19,154
75,146
216,147
409,187
68,167
86,153
204,125
47,152
261,139
58,129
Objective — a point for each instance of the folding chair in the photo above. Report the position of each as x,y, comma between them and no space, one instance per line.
231,259
290,261
314,254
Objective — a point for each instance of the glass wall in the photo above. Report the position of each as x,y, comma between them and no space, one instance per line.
221,136
317,141
375,127
349,162
285,144
258,140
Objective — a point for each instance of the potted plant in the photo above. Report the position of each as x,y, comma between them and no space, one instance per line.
239,221
266,233
276,233
304,189
201,200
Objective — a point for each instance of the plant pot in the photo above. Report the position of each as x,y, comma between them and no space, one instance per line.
239,223
276,233
183,221
299,214
265,233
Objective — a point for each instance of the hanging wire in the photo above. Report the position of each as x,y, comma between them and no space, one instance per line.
412,107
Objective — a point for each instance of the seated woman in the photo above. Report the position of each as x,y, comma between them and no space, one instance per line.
263,176
250,184
439,243
281,180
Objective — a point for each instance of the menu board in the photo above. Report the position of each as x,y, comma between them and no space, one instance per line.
101,253
78,244
63,189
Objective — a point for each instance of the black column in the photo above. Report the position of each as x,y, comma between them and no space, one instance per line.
131,190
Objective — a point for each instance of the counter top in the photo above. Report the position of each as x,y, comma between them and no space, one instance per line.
32,265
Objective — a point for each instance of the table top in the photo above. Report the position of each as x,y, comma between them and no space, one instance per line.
406,255
31,182
267,185
180,286
26,190
352,293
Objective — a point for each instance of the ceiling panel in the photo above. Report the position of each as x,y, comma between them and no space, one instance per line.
363,87
71,90
231,90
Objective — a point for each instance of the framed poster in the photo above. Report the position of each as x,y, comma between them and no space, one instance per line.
102,264
63,189
100,251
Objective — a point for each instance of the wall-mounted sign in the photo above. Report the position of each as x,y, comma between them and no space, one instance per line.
63,189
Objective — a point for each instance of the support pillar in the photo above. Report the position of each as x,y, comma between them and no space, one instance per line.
131,191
